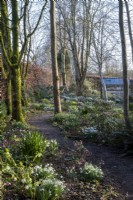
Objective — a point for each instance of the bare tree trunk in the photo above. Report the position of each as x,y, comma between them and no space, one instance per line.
56,89
80,52
99,62
129,27
125,66
62,42
101,85
63,68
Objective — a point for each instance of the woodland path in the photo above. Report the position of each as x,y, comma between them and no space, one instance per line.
118,169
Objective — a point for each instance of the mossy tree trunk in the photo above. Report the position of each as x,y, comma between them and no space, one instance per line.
11,53
24,99
7,42
15,75
16,95
11,58
8,98
64,67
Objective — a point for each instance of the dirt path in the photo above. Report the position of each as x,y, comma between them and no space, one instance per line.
117,169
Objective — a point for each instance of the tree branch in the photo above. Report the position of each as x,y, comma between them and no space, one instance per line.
39,19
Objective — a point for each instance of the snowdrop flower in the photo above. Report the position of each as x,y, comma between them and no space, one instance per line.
23,180
15,179
8,168
42,189
27,187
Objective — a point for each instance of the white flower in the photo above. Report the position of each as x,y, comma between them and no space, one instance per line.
8,168
23,180
27,187
15,179
42,189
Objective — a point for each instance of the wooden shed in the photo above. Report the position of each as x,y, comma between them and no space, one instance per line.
112,85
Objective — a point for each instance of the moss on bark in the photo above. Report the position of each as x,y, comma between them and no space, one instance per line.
8,100
15,71
16,95
24,99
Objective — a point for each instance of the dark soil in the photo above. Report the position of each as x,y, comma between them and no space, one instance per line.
118,180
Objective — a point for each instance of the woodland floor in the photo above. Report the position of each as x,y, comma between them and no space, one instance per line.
118,170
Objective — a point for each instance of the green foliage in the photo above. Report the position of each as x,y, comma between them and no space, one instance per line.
68,121
131,106
83,170
33,145
51,147
71,124
61,117
33,181
45,101
19,125
40,92
47,172
69,106
91,172
107,119
42,106
49,189
67,61
88,90
37,106
72,88
2,109
59,59
122,139
86,109
90,114
20,172
25,110
2,116
99,114
72,173
103,116
91,134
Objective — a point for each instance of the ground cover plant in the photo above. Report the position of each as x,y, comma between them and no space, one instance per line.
42,105
33,167
84,180
94,120
68,159
91,172
22,173
36,168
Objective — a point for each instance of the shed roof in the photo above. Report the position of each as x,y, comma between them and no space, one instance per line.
115,81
